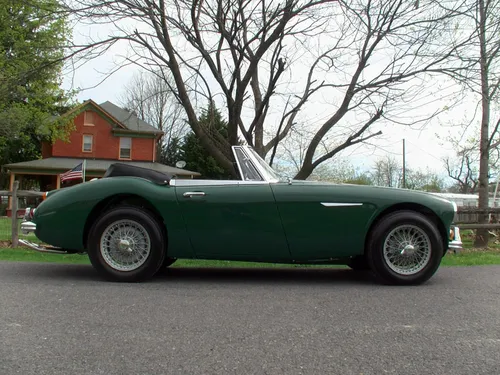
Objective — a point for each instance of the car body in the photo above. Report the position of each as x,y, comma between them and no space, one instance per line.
133,221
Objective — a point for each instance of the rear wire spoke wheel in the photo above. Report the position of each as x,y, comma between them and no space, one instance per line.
404,248
126,244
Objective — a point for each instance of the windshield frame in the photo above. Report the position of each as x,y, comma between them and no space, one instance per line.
267,173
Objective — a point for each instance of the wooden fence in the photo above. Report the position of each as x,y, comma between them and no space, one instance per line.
468,218
14,205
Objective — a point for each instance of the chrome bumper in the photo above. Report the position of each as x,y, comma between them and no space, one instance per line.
43,248
456,243
28,227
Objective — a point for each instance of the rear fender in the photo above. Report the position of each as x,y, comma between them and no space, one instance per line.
63,219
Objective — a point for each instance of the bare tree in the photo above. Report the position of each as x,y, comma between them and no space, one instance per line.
487,21
463,171
151,99
463,167
424,180
480,23
371,59
387,172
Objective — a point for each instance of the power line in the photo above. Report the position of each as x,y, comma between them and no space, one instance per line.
427,152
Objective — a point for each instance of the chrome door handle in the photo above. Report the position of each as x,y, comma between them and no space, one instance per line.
189,194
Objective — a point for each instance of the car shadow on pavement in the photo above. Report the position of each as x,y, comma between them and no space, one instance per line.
201,275
264,275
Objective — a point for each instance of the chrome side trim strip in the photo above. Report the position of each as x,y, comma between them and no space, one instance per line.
185,183
333,204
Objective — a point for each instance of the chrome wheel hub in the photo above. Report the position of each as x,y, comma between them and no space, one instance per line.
125,245
407,249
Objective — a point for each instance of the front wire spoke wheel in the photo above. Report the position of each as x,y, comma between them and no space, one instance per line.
407,249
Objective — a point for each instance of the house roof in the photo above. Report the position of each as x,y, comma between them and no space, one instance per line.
121,118
57,165
128,119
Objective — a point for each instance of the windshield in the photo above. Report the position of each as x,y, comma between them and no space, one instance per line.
271,173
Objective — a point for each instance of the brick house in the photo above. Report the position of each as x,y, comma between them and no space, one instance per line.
104,134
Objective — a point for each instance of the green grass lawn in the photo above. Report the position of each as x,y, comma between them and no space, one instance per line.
26,255
465,258
468,257
6,230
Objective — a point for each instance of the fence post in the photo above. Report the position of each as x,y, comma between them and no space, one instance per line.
15,226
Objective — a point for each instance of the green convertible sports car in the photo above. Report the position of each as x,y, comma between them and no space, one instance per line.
134,221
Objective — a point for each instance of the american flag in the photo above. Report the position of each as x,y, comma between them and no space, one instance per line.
73,174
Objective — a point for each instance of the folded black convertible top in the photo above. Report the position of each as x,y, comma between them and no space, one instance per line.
122,169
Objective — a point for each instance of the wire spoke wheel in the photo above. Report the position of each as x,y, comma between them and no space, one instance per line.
125,245
407,249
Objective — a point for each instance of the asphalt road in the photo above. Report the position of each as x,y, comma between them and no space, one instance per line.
62,319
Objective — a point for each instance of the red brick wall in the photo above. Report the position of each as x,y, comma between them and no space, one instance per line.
46,150
105,144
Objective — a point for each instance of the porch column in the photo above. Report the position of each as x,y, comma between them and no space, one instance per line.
11,187
58,181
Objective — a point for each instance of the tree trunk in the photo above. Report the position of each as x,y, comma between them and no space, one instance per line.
304,172
483,190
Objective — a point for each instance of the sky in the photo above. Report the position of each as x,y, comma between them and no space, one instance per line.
424,147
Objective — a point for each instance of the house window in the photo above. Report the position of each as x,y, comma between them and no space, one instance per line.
87,143
125,148
88,118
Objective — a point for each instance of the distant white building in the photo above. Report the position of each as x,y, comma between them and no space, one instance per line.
462,200
468,200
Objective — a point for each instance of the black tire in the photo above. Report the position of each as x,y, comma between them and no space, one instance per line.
420,226
150,229
359,263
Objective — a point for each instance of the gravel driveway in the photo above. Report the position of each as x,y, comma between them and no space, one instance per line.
61,319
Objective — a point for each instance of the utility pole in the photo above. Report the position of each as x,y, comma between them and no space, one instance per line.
404,165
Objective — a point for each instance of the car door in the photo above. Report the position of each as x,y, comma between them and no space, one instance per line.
233,220
323,221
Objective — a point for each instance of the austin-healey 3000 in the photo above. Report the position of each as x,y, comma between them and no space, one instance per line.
134,221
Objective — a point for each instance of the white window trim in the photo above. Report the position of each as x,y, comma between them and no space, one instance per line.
129,148
85,123
91,142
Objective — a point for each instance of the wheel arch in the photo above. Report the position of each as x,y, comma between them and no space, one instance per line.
122,199
415,207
